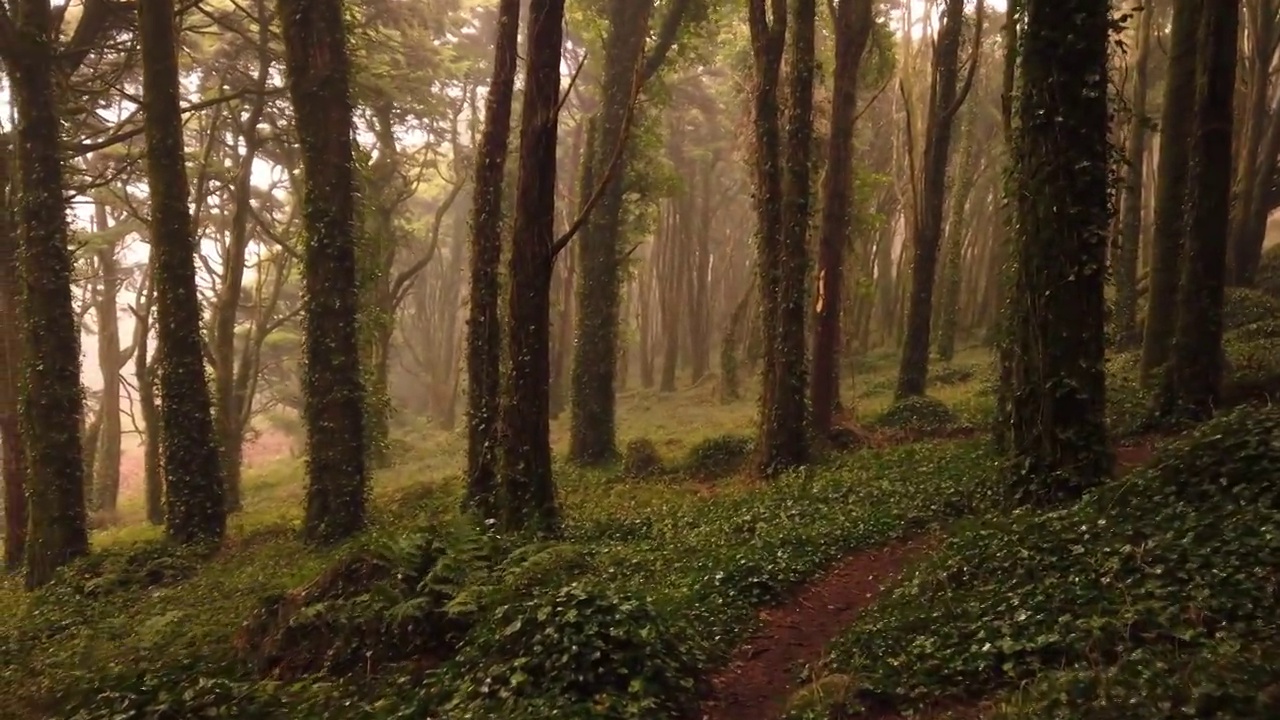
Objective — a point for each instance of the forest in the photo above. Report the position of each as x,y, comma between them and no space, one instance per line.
640,359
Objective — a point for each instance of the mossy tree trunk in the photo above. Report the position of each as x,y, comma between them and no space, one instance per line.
529,502
962,200
945,99
853,20
196,507
13,458
484,334
1002,270
783,200
592,432
1062,209
1125,265
1191,388
1169,224
318,69
52,404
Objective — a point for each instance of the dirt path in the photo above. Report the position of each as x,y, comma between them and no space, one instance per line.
763,671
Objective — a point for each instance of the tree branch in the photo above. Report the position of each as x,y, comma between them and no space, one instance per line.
667,33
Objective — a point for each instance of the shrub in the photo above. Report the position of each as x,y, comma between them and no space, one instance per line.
641,459
953,374
599,653
922,414
719,456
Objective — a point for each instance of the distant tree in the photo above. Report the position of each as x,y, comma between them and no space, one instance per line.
318,69
1062,216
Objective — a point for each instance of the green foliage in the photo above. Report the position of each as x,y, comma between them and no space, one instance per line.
918,414
641,459
953,374
827,698
718,457
1102,601
596,652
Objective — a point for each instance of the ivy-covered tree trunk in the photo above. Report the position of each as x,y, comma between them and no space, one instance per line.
51,401
196,508
527,482
1062,209
13,459
783,179
1125,272
318,69
945,99
853,22
592,431
484,334
1003,271
1169,223
1191,388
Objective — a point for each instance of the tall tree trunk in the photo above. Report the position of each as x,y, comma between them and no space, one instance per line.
318,69
1193,384
592,430
1125,271
13,459
52,405
953,265
1059,438
945,99
699,282
145,370
106,488
1169,225
853,21
484,336
196,507
528,486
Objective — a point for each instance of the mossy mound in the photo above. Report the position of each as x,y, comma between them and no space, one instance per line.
718,457
641,459
922,415
1166,570
1246,306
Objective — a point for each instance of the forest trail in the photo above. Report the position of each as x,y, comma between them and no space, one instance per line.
764,670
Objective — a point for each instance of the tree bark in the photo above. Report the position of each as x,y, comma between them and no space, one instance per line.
945,99
318,69
196,507
1192,387
1059,438
1169,224
106,480
1125,271
484,337
527,482
13,459
52,405
853,19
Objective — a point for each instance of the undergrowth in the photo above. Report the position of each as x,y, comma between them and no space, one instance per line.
1155,597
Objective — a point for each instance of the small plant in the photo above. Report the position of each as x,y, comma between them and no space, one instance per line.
640,459
719,456
922,414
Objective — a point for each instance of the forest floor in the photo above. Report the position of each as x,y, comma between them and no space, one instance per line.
887,582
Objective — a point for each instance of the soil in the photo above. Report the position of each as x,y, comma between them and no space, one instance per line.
763,672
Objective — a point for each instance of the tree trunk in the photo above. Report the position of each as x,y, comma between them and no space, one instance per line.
1169,225
1059,439
1191,388
52,405
945,99
853,21
484,337
106,488
318,69
593,431
1125,273
528,486
147,376
13,460
196,507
